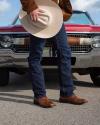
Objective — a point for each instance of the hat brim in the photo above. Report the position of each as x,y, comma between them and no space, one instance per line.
54,25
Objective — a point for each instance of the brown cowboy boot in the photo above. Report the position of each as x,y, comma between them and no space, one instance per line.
73,100
44,102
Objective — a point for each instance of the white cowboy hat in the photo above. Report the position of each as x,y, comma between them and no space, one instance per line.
49,22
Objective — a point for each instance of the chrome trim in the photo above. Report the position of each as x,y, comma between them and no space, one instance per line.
81,48
66,32
83,32
14,33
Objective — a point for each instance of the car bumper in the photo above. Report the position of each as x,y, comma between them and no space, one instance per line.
87,60
9,58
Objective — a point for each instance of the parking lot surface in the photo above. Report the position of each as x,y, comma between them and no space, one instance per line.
17,108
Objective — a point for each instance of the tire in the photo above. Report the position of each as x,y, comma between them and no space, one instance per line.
95,76
4,77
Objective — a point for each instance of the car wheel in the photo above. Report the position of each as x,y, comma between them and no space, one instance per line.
95,76
4,77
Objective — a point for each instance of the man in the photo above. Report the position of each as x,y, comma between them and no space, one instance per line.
64,63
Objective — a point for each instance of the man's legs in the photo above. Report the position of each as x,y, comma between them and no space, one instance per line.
64,66
64,63
64,57
35,56
38,82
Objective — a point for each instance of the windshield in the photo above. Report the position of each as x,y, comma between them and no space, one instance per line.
17,22
79,18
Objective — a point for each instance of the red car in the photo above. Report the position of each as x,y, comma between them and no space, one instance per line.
83,37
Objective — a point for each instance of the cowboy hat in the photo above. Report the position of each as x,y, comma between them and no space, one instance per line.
48,23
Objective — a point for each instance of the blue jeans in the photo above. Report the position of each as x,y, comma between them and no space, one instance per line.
64,64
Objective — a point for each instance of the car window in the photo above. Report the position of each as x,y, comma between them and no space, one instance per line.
76,18
79,18
17,22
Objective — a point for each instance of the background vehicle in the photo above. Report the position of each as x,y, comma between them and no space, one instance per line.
14,48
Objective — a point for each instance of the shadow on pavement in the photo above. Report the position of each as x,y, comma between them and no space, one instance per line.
3,98
23,82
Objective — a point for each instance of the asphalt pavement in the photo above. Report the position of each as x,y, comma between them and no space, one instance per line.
17,108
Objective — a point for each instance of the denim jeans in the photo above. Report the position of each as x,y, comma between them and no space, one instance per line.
64,64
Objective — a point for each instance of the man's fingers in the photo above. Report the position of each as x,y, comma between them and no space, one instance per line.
35,14
41,11
31,17
35,17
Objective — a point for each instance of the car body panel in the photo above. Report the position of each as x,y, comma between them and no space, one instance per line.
68,27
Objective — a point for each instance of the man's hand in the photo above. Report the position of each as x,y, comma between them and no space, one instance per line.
35,14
